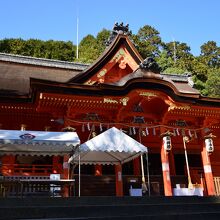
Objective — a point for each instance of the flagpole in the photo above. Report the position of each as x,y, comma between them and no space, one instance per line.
77,37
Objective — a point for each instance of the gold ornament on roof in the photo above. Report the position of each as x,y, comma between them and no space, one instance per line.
102,73
147,94
173,106
121,53
90,82
109,100
124,100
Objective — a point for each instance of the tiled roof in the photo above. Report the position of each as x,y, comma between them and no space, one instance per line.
177,77
42,62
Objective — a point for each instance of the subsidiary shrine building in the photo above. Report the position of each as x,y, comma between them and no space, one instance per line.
121,90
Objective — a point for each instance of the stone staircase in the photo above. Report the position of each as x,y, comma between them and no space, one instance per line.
154,208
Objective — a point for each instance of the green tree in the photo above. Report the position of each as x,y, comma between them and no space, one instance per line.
212,86
199,69
59,50
164,60
88,49
210,54
148,41
101,40
175,70
180,53
177,50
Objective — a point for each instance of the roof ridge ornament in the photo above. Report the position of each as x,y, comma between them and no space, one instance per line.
118,29
149,64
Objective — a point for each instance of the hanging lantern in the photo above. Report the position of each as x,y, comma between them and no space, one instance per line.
167,143
209,143
167,140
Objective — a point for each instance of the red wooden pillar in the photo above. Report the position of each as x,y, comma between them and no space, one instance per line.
208,171
136,165
98,170
118,180
166,172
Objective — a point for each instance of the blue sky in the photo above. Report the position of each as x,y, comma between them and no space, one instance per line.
191,21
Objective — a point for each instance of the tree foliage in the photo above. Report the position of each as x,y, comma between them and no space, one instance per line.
210,54
50,49
148,41
212,87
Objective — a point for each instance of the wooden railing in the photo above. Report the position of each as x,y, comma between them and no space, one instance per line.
10,185
36,187
26,169
217,185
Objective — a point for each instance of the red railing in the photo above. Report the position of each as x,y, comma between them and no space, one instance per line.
27,169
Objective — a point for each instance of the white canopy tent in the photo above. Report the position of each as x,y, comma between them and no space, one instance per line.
110,147
32,143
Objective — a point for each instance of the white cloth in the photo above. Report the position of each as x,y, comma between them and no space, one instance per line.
188,192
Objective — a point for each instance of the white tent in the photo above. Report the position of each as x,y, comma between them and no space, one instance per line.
110,147
37,142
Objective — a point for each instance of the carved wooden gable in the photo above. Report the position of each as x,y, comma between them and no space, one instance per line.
118,60
120,64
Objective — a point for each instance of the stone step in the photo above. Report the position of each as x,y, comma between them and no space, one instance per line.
105,200
192,216
122,210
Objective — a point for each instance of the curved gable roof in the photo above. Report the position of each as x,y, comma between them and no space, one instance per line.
108,54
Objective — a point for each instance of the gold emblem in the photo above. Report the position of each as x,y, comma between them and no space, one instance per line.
124,100
108,100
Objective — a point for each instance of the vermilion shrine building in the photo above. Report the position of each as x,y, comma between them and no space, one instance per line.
120,90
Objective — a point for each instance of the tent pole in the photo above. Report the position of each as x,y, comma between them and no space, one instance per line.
148,175
143,184
142,169
79,171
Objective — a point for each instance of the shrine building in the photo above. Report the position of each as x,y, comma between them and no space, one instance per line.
178,126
